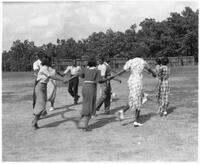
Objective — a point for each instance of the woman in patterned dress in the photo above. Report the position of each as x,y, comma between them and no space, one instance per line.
163,89
135,67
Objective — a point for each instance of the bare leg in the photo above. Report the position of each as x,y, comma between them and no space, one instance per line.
35,122
137,118
86,121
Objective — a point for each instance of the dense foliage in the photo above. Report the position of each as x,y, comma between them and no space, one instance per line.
175,36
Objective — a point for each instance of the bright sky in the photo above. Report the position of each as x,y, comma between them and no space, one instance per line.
44,22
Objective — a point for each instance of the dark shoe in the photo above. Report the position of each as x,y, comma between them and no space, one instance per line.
44,114
87,129
34,124
76,100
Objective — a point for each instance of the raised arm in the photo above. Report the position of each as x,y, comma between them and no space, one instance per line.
150,70
66,71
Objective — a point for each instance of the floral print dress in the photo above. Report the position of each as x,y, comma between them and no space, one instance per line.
136,67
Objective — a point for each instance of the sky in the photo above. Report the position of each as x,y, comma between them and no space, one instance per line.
44,22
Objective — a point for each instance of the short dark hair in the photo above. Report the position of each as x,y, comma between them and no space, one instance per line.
40,54
46,60
158,61
92,62
165,61
102,58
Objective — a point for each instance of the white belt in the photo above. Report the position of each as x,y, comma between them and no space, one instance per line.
89,81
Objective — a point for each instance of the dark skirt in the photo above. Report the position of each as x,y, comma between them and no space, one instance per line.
89,93
41,98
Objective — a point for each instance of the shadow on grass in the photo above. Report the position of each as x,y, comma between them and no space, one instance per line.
113,111
103,121
57,123
61,112
171,109
115,99
143,118
67,106
146,117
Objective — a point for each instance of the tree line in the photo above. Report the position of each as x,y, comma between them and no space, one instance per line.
175,36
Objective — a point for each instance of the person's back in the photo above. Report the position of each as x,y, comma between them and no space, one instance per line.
136,67
90,74
164,72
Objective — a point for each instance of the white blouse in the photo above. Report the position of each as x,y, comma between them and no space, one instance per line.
44,73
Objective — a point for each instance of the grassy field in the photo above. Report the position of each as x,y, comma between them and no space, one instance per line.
171,138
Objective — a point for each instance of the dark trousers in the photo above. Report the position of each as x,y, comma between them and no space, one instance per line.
73,88
105,97
34,95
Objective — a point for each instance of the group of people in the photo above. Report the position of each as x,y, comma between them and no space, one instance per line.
94,74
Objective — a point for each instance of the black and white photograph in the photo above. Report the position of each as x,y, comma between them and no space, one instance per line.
99,81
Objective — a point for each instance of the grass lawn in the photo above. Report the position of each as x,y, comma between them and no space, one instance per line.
170,138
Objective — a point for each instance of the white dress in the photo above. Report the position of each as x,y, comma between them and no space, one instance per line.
136,67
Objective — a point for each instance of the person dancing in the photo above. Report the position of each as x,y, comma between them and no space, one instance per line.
43,77
73,84
163,89
135,67
92,77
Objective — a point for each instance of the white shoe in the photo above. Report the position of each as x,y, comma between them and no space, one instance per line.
51,109
121,115
137,124
144,99
165,113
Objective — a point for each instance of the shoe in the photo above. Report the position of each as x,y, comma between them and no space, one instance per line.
76,100
44,114
165,113
121,115
35,126
51,109
159,110
145,98
87,129
136,124
161,113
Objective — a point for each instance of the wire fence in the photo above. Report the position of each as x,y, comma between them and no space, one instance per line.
118,63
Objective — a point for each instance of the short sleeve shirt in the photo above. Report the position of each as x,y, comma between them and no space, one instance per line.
37,65
73,70
43,74
102,69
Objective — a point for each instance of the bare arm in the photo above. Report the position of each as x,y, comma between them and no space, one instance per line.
59,78
150,70
113,77
36,72
66,71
